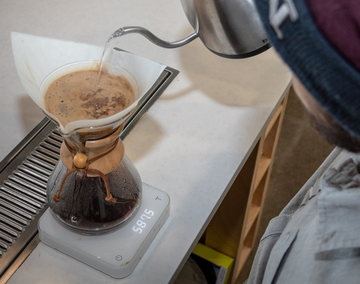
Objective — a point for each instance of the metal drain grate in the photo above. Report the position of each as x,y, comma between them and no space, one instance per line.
23,194
25,172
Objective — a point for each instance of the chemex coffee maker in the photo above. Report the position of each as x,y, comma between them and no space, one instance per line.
95,190
101,213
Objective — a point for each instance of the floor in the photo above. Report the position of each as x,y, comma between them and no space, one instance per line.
300,151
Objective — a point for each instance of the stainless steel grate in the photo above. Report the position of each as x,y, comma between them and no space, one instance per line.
25,172
23,194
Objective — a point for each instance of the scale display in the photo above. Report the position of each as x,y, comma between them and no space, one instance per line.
116,253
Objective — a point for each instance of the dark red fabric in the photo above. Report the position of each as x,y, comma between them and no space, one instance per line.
339,22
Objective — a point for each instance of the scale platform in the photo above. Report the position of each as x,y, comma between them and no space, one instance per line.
116,253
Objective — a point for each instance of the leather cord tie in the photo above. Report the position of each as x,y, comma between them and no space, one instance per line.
81,164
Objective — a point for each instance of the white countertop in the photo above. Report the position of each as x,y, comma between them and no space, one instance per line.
191,143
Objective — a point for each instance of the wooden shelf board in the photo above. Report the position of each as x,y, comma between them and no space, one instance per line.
264,154
273,120
263,166
253,213
243,256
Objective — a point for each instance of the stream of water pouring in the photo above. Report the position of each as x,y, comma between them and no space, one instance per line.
116,34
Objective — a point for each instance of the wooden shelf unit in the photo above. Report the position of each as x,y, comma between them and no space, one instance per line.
234,226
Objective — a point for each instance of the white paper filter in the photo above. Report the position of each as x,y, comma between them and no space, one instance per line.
36,57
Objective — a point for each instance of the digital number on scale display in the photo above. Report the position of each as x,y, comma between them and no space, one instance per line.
141,223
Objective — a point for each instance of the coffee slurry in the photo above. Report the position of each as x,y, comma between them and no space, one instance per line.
72,97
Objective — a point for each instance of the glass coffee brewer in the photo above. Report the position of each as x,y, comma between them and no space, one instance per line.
101,213
94,187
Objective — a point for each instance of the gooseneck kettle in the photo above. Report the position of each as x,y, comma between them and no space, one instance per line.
229,28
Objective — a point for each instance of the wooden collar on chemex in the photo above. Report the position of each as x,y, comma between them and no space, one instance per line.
81,164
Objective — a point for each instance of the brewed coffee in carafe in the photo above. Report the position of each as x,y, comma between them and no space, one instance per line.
83,205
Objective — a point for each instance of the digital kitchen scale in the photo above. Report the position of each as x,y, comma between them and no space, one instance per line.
116,253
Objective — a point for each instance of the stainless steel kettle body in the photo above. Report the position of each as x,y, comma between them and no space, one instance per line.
229,28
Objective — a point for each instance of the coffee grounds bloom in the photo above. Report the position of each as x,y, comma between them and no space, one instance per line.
72,97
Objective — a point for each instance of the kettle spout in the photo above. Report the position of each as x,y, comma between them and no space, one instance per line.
153,38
